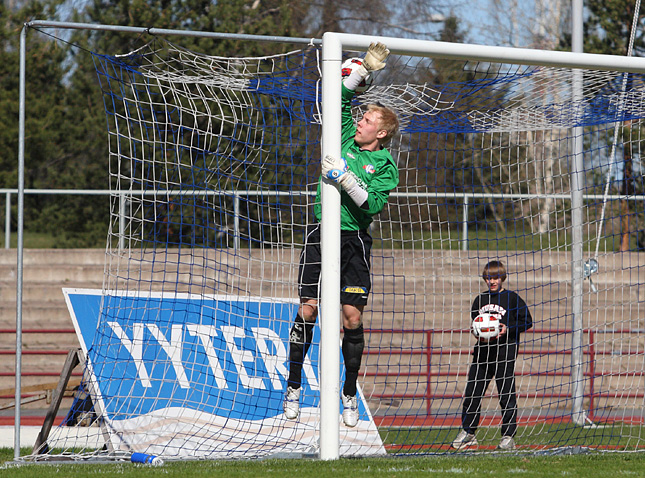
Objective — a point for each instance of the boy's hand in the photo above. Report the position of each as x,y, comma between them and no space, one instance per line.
502,331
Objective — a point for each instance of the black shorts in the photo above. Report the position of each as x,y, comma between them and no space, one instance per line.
355,280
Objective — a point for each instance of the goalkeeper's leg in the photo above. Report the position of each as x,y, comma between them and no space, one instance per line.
353,345
302,333
355,288
300,339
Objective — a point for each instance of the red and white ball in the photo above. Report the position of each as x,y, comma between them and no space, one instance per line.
486,326
348,66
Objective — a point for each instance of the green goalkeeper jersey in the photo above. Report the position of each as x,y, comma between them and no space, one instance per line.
376,171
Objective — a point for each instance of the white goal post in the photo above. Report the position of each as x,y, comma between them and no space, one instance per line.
334,47
332,55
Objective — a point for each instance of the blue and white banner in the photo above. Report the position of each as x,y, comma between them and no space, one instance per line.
183,375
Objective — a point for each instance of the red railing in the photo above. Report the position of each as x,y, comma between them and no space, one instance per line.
46,352
429,352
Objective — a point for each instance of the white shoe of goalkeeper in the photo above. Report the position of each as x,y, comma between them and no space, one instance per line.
291,404
350,410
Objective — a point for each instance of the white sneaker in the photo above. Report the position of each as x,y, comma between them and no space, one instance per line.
507,443
291,404
464,440
350,410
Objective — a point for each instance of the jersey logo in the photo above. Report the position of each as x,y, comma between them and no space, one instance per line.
369,168
494,309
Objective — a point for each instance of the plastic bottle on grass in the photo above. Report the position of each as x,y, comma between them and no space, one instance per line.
147,459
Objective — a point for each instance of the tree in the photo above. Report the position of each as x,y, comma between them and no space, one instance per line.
53,126
67,143
404,18
523,23
607,30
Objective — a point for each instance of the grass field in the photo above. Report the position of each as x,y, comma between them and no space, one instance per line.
451,465
543,436
554,450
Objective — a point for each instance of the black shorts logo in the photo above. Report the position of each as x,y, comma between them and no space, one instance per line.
352,289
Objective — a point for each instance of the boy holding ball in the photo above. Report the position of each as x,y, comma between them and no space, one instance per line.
494,357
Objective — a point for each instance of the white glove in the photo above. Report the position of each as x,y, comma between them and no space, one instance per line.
333,168
374,60
375,57
336,170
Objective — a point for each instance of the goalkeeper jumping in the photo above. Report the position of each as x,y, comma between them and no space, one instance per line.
366,173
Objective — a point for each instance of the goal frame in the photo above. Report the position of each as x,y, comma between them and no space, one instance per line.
333,45
332,48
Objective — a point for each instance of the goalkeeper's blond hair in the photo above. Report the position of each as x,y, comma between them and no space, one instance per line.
388,120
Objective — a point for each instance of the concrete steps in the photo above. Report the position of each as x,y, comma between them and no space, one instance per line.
412,290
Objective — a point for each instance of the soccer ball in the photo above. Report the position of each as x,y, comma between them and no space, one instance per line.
346,69
486,326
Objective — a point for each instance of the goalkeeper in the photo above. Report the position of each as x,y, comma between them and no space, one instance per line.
366,173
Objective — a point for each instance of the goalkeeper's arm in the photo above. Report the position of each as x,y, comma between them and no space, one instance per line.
336,170
374,60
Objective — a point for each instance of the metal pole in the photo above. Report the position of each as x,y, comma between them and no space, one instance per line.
170,32
330,251
577,184
497,54
121,222
236,222
7,222
405,46
464,222
21,189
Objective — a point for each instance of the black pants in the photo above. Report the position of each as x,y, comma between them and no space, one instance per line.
491,360
355,278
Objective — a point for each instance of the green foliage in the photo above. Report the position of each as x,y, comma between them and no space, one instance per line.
607,28
66,140
59,138
271,18
66,143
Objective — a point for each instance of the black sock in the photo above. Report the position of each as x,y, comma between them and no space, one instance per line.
353,344
299,342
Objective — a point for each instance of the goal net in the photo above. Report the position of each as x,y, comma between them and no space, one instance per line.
214,164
